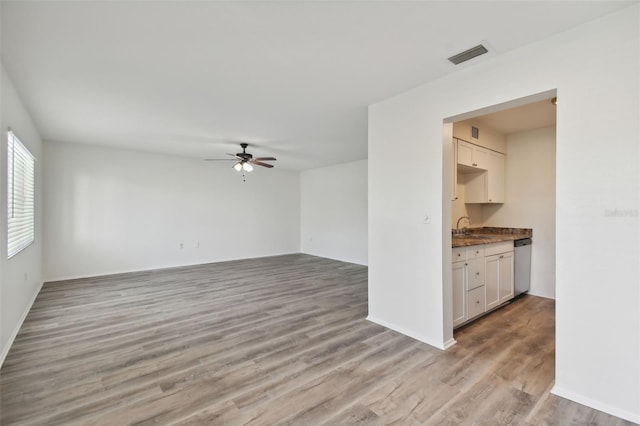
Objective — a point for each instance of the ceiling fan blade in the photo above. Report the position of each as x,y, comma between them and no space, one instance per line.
258,163
265,159
235,158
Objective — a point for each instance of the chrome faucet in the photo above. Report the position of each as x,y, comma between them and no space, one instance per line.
462,217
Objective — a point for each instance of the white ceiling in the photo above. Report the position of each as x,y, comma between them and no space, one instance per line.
527,117
291,78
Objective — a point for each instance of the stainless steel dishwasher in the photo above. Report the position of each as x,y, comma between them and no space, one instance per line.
522,265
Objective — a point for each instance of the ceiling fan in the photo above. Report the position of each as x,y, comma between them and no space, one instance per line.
245,161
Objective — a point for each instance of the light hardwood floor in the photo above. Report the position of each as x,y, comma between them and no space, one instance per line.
280,340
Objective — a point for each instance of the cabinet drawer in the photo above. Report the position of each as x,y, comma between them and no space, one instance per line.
475,252
475,302
475,277
497,248
458,254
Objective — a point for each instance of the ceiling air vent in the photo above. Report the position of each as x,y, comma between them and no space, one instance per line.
468,54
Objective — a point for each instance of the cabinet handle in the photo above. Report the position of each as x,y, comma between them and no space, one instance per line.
477,302
475,164
466,264
478,273
502,256
477,251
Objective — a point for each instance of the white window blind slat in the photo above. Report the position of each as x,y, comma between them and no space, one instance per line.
20,196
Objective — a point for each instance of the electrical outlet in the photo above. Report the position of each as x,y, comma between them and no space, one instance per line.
181,246
197,244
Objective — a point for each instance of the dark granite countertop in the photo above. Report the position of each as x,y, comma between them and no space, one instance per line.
488,235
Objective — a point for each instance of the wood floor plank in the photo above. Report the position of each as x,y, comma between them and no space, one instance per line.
278,340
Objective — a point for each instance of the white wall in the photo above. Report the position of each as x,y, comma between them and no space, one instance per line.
597,224
111,210
20,276
488,137
334,212
530,201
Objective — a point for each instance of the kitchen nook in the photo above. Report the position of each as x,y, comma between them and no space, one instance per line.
501,191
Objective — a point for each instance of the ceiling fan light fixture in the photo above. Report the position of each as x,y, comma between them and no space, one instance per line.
245,162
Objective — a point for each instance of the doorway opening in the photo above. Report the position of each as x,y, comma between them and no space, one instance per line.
499,175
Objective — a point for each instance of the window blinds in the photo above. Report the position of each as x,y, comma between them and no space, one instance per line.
20,196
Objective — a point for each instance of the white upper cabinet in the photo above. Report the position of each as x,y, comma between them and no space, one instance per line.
454,170
473,156
487,187
495,178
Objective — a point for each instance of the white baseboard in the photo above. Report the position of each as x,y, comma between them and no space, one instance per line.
592,403
106,273
413,335
14,334
355,262
449,343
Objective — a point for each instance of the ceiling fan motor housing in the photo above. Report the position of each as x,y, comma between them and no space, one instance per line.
244,154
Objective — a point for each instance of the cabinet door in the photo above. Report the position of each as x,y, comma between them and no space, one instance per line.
471,155
492,280
480,158
454,169
476,188
465,153
458,279
495,177
506,277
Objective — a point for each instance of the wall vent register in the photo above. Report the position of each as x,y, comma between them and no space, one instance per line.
468,54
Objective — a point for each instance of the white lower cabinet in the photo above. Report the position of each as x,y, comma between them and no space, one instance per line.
459,280
468,283
499,278
492,268
506,273
482,278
